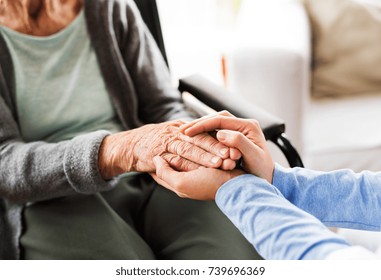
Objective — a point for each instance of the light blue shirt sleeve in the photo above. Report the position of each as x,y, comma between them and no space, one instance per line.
339,198
274,226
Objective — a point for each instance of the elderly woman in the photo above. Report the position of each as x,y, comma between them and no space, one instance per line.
84,98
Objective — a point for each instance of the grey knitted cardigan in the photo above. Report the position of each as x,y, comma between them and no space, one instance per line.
138,82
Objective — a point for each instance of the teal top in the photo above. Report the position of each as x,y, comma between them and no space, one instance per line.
60,92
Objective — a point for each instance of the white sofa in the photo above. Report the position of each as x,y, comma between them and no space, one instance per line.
269,64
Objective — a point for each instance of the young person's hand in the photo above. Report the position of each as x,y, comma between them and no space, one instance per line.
243,134
200,184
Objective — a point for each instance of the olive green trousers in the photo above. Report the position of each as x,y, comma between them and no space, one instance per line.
137,220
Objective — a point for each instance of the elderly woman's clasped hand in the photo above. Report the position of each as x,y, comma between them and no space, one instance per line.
135,149
203,183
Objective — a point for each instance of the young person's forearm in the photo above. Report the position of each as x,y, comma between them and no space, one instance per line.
275,227
339,198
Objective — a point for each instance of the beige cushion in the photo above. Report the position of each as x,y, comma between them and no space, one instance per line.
346,46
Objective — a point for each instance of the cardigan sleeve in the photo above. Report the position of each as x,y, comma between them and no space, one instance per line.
38,170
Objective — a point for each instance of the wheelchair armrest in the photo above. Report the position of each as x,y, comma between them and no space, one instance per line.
218,98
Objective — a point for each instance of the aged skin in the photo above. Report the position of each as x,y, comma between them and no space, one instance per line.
134,150
203,183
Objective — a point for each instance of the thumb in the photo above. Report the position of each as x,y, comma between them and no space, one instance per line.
163,170
237,140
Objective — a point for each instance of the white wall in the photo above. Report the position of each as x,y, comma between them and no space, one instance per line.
196,34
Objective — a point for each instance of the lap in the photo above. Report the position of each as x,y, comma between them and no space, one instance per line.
136,220
178,228
80,227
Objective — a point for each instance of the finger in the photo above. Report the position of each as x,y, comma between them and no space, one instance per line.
160,181
208,143
228,164
165,185
220,122
238,140
166,176
221,113
235,154
179,163
164,171
193,153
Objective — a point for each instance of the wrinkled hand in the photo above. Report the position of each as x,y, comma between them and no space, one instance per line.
135,149
244,134
200,184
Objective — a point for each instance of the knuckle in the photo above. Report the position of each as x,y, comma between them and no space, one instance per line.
183,148
179,163
174,125
179,122
255,123
186,165
173,160
203,157
201,137
166,141
172,146
207,141
210,141
226,113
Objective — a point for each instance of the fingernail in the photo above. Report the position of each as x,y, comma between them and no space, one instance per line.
221,135
215,159
224,151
